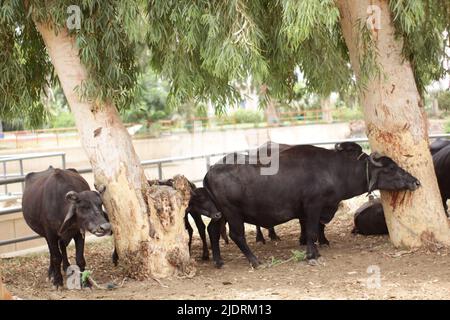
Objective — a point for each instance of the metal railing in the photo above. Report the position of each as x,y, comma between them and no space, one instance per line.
19,177
159,164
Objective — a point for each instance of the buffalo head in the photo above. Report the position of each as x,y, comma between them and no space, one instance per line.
385,174
202,203
86,213
351,149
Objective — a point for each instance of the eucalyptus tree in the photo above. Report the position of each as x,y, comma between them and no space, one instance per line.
388,50
90,47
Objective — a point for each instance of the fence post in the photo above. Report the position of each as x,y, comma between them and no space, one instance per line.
4,176
63,160
160,174
208,163
21,171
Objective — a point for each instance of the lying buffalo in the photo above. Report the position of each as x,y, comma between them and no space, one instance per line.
59,206
369,219
309,184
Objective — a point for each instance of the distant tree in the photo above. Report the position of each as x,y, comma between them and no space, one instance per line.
443,99
149,104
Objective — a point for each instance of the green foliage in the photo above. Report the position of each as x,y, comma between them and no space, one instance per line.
347,114
107,41
248,116
447,127
202,48
443,98
63,119
297,256
24,66
422,25
150,99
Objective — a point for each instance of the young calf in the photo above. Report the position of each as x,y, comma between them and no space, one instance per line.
59,206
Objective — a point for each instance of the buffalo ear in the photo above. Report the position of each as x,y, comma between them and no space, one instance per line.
100,188
68,220
72,196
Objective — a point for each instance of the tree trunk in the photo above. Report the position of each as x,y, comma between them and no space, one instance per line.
4,294
435,108
396,126
147,222
271,113
327,111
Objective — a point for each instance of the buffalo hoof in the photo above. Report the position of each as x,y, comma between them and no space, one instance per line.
260,240
205,257
255,263
313,262
275,238
218,264
58,285
316,262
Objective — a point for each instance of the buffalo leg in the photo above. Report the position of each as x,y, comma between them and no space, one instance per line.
115,257
55,260
63,249
51,269
223,231
259,235
322,239
302,239
444,203
312,231
79,251
189,229
214,235
272,235
237,234
201,230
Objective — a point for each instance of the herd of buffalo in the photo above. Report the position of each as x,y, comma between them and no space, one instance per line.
309,185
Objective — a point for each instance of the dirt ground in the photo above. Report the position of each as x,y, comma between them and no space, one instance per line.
349,271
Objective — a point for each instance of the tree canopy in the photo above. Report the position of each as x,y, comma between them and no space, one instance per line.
202,46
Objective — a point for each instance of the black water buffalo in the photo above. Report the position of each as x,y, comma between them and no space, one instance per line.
369,219
59,206
441,161
438,144
200,204
348,148
308,185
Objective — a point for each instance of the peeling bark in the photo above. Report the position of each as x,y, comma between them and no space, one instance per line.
397,127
